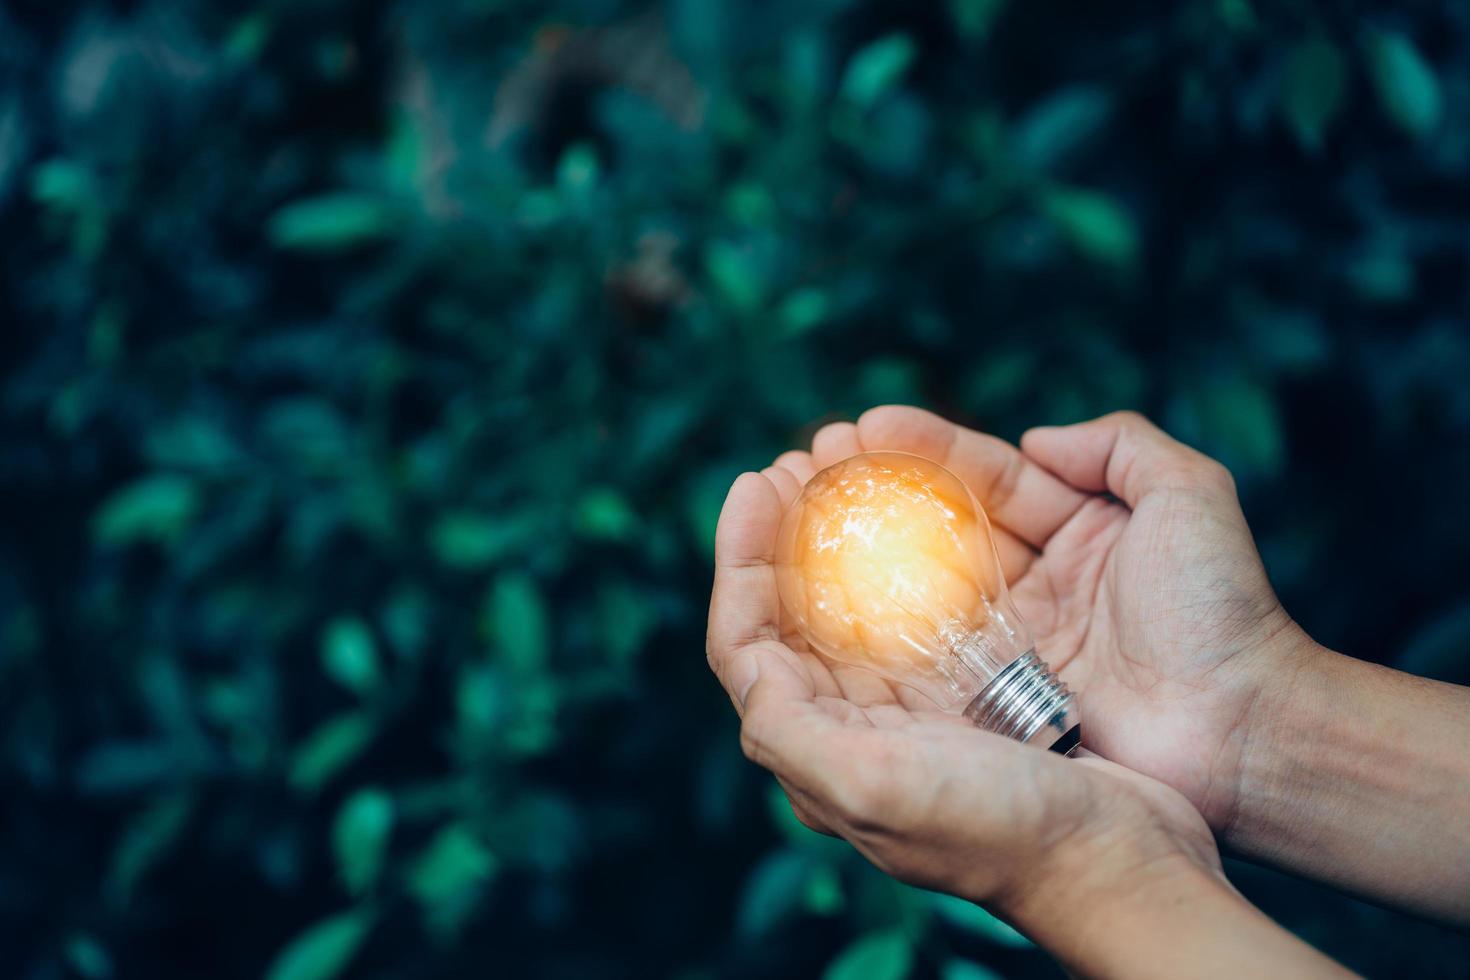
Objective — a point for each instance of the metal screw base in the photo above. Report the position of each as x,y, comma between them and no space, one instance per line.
1028,703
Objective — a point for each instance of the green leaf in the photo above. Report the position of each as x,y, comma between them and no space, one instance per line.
349,655
360,837
469,540
453,861
405,152
603,513
448,876
87,956
626,619
1001,381
330,748
773,893
324,950
750,203
144,841
884,955
973,18
125,766
62,184
191,442
1236,420
877,68
964,970
803,310
405,621
310,429
1238,16
1096,225
1382,274
247,39
1313,90
823,894
578,169
479,700
533,727
331,221
736,275
67,188
972,918
1407,88
156,508
1437,648
1058,126
515,621
884,380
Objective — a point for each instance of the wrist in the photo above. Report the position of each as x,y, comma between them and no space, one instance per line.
1121,855
1108,918
1355,776
1282,703
1148,912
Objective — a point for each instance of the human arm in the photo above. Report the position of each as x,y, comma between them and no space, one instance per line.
1359,776
1128,553
1114,873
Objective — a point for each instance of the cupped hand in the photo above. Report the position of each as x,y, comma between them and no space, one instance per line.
1128,554
925,795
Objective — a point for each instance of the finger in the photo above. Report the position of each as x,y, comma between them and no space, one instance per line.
744,608
1021,497
788,487
824,685
843,710
833,443
798,463
1126,455
889,716
1015,555
782,728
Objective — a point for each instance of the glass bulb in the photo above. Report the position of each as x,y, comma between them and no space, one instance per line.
886,562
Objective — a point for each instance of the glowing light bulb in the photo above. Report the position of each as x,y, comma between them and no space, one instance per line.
886,562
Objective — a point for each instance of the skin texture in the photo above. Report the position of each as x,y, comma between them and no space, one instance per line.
1128,554
1079,853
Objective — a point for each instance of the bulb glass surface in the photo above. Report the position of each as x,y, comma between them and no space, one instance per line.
886,562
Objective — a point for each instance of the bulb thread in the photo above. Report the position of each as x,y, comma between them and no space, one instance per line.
1028,702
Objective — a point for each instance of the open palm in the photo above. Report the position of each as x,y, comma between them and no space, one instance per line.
1127,553
909,786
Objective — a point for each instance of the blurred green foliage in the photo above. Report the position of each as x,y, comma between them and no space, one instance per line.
374,373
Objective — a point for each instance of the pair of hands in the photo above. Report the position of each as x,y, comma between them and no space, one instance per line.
1127,553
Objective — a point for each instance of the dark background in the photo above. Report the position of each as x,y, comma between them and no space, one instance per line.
374,372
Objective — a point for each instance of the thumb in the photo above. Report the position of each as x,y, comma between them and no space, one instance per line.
1126,455
782,728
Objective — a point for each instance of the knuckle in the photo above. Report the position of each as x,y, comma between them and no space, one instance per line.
1007,478
1127,418
1217,475
791,457
832,431
1198,471
754,743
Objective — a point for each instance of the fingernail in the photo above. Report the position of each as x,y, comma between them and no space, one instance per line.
743,674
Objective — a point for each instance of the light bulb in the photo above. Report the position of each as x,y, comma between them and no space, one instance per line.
886,562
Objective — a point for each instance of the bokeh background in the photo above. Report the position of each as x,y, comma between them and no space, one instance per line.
374,373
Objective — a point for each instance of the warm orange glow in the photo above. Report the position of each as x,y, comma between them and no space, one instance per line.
880,554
